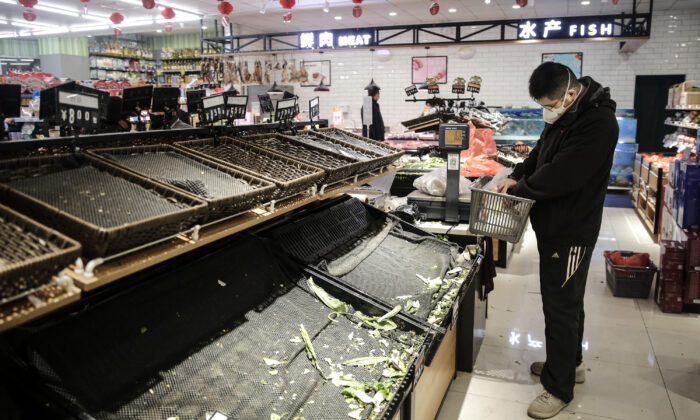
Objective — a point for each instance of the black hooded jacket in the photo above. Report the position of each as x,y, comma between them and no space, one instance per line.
376,129
567,172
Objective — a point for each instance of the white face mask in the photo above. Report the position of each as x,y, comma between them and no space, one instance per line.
550,116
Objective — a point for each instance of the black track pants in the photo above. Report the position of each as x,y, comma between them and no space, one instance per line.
563,272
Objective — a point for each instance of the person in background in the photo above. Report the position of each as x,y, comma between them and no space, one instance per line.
376,129
567,175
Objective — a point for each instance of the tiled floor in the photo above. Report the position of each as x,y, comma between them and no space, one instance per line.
641,363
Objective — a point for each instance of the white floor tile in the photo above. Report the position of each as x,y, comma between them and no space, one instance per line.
642,363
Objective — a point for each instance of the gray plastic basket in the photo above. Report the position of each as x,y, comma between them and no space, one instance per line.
496,215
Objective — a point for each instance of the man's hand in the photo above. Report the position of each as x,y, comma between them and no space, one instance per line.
503,185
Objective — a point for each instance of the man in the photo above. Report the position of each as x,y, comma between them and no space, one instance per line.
567,174
376,129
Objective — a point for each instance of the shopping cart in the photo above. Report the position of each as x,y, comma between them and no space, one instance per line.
500,216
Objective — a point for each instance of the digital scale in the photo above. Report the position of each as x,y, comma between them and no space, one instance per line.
452,208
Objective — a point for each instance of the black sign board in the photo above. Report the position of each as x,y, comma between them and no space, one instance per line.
77,109
434,89
48,98
136,99
474,88
458,89
212,109
165,97
286,109
194,100
10,100
411,90
235,106
265,103
567,28
102,97
314,108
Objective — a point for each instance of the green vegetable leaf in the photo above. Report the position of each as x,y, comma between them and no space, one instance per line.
274,416
365,361
271,362
390,314
336,304
310,353
272,372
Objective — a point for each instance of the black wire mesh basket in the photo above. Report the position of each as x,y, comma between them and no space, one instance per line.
290,176
30,253
105,208
497,215
371,160
389,152
223,334
226,190
336,166
379,256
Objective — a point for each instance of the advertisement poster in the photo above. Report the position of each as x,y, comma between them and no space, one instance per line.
429,67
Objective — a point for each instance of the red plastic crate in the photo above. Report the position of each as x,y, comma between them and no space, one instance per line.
691,294
671,288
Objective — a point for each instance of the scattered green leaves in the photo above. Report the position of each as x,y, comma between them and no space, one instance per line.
365,361
310,353
271,362
390,314
336,304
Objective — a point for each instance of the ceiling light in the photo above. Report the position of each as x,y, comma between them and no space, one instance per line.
3,22
338,17
95,18
88,28
8,2
55,10
10,35
326,10
32,25
134,23
27,59
176,7
159,30
585,3
392,13
487,1
451,10
515,6
51,31
204,28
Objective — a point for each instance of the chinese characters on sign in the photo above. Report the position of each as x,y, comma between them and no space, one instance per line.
333,39
554,28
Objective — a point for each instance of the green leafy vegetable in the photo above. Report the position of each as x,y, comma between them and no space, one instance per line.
365,361
336,304
390,314
310,353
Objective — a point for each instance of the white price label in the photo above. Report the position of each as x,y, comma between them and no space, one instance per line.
78,99
237,100
452,162
213,101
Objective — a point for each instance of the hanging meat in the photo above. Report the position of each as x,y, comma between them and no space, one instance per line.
258,72
247,75
268,70
285,72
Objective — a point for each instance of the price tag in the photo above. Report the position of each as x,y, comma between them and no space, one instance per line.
286,109
77,109
411,90
458,89
265,103
433,89
212,109
236,107
453,162
314,108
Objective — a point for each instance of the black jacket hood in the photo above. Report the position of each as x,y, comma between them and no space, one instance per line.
595,96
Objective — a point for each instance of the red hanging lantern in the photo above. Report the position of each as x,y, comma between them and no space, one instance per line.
357,11
288,4
615,2
225,8
225,21
148,4
287,17
357,1
434,9
29,15
116,18
28,3
168,13
521,3
117,31
168,27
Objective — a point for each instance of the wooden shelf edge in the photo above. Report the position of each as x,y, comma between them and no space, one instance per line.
121,267
63,300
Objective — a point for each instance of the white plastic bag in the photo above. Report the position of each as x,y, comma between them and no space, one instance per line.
435,183
502,174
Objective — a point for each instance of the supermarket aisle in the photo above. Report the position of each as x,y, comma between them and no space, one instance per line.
641,363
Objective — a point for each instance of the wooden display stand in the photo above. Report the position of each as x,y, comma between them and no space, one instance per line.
436,379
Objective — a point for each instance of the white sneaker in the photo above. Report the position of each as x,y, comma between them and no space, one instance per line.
545,406
536,369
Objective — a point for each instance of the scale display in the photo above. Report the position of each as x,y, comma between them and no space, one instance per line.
212,109
77,109
454,136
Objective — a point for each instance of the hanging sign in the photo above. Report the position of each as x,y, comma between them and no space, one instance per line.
236,107
286,109
566,28
212,109
335,39
77,109
314,108
411,90
474,85
458,85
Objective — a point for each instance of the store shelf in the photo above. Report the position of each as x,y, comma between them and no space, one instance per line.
681,125
121,56
122,69
181,59
616,188
131,263
178,71
697,108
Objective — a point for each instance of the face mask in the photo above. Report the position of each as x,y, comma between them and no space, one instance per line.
550,116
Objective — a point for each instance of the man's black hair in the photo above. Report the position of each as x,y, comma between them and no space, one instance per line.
549,80
373,90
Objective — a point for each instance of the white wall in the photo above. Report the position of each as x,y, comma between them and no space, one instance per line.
505,69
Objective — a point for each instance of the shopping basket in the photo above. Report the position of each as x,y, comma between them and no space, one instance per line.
496,215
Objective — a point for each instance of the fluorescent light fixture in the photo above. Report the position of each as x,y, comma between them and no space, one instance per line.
515,6
159,30
3,22
326,10
134,23
88,28
451,10
585,3
27,59
95,18
338,17
55,10
487,1
392,13
204,28
9,2
12,35
32,25
51,31
135,2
